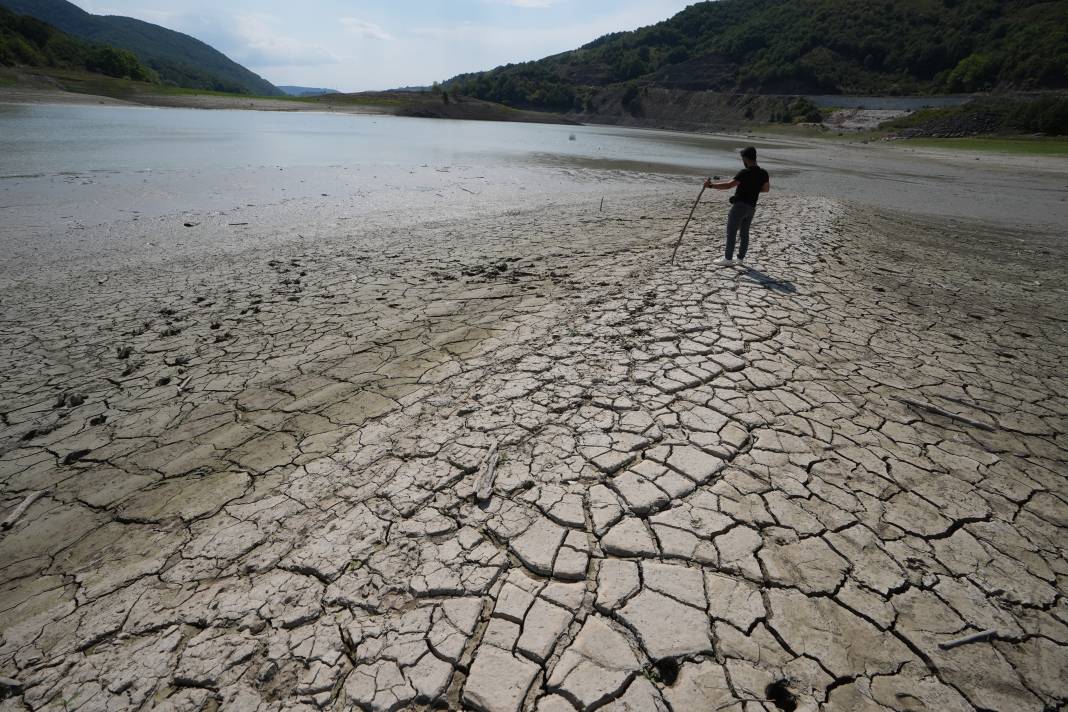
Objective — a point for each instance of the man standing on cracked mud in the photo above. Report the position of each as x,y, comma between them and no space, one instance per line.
751,181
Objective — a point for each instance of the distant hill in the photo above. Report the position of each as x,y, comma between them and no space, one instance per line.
178,59
306,91
28,42
803,47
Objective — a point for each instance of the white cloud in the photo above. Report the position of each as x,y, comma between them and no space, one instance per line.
365,29
258,41
488,46
525,3
373,44
255,39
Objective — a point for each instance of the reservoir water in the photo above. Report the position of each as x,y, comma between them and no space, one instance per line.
37,140
83,185
88,186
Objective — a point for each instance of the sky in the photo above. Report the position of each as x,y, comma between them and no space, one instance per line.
359,45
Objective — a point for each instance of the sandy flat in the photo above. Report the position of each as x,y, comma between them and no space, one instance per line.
259,468
208,101
35,95
30,95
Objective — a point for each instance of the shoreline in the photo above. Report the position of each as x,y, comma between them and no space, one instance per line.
982,145
412,106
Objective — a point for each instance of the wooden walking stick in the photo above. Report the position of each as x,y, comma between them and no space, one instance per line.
675,252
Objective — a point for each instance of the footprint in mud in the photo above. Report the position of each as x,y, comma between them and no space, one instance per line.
69,400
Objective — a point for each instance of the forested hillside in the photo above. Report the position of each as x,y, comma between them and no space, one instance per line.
806,46
27,41
179,59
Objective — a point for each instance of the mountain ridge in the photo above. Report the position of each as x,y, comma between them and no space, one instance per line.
179,59
802,47
28,42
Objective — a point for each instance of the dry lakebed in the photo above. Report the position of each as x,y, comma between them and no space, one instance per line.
482,447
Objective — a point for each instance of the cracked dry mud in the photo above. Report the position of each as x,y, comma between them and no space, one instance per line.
717,489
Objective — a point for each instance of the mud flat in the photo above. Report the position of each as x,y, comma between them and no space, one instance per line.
735,489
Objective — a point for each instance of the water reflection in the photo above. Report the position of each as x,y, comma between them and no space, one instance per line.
53,139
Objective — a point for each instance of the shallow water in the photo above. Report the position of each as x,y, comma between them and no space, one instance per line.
90,185
83,187
67,168
41,140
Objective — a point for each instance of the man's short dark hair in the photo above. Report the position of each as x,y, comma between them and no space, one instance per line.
749,153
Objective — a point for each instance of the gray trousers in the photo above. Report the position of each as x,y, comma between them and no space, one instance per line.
740,218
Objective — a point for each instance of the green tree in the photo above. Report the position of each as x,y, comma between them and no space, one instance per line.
975,72
116,63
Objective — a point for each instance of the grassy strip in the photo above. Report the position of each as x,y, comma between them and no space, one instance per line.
992,115
1016,145
353,100
1019,145
81,82
398,103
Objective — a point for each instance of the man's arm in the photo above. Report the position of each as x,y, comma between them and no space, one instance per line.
722,185
766,188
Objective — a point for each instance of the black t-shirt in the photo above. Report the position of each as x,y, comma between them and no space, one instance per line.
750,181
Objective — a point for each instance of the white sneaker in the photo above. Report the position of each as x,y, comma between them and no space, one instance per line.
724,262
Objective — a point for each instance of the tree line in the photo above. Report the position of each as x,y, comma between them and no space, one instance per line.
808,46
27,41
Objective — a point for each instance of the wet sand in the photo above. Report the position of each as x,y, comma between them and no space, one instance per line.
260,448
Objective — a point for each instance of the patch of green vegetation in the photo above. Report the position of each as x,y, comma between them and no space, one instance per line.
991,115
1027,146
921,117
356,100
168,90
81,81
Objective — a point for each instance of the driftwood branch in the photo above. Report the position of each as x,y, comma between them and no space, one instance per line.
937,410
973,638
20,510
484,488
